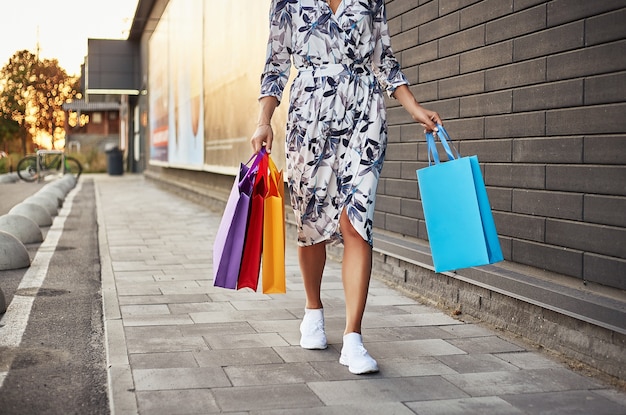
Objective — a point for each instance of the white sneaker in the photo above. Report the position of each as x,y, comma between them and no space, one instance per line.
312,330
354,355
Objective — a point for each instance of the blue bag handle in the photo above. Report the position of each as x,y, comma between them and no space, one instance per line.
445,140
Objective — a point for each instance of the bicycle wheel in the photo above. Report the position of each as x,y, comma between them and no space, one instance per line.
27,168
73,166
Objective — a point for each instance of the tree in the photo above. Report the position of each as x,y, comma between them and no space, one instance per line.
32,93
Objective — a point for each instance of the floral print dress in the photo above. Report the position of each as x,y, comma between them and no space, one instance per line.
336,127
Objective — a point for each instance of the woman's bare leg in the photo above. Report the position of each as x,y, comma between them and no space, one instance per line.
356,271
312,261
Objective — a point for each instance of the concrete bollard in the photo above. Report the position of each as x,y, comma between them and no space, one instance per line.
58,193
13,253
35,212
47,201
23,228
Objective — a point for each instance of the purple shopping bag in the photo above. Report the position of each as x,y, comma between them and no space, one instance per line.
231,234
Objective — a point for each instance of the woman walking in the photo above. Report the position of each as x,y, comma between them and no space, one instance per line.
335,143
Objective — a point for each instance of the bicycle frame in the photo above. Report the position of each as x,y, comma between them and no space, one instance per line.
44,166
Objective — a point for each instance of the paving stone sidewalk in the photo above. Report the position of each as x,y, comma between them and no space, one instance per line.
178,345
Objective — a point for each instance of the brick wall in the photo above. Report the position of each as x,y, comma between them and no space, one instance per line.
537,89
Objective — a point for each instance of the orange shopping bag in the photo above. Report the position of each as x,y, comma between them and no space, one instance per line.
273,274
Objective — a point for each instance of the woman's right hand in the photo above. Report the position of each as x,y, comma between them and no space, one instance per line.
263,136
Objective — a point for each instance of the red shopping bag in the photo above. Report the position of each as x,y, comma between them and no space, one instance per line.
253,245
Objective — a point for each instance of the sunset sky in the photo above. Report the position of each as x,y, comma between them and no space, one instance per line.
62,27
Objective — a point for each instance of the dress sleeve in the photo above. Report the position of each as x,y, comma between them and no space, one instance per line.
386,65
278,61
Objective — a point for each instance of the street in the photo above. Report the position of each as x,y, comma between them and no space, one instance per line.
59,366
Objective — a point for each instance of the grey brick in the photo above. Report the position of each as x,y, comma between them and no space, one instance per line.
401,188
395,26
487,57
518,74
420,54
548,150
488,151
605,210
409,168
394,133
500,198
547,96
606,27
398,115
546,42
473,83
517,24
412,133
524,4
600,119
559,205
531,124
605,270
428,91
446,109
602,149
401,225
404,40
550,258
439,28
465,129
588,61
403,151
398,7
530,228
379,220
449,6
586,237
607,180
563,11
487,104
605,89
420,15
485,11
391,169
422,233
462,41
439,69
388,204
524,176
411,208
382,185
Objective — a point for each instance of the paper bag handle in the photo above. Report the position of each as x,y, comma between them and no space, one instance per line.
445,140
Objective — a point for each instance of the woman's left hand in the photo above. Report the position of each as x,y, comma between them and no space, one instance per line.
427,118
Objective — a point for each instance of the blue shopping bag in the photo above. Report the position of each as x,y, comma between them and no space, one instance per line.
459,222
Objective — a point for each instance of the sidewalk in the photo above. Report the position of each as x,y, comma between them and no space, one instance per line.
176,344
